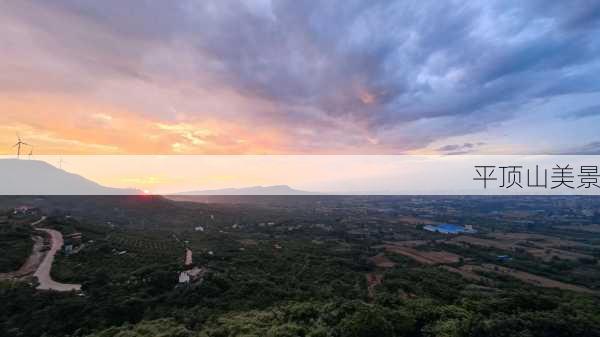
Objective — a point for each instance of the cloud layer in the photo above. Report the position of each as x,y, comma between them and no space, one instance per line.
291,76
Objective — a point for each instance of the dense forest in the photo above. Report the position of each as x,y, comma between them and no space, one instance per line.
15,244
438,304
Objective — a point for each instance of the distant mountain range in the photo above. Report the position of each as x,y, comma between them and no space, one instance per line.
253,190
34,177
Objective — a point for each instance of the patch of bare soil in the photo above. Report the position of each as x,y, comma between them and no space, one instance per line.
382,261
373,280
425,257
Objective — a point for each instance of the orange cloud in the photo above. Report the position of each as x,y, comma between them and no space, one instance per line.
71,125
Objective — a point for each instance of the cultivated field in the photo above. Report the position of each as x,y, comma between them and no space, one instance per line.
426,257
540,246
536,280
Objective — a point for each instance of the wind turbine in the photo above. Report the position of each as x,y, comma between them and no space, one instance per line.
18,145
60,162
30,153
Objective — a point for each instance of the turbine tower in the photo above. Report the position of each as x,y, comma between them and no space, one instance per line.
18,145
61,162
30,153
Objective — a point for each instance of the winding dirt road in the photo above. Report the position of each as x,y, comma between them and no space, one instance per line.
39,263
43,272
33,261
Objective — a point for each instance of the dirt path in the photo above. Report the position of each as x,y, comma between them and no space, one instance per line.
43,271
35,223
188,257
373,280
34,259
30,264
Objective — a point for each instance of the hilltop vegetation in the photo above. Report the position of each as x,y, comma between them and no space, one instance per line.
511,316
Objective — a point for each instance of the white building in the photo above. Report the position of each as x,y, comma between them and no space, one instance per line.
184,277
191,275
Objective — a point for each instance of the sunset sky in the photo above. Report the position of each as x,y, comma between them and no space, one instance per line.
300,77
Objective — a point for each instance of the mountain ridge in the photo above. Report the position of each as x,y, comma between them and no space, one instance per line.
35,177
250,190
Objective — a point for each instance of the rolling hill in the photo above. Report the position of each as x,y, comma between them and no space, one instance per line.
34,177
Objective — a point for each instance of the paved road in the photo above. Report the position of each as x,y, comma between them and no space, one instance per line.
43,271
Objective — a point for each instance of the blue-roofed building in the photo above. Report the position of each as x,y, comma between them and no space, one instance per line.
449,229
503,258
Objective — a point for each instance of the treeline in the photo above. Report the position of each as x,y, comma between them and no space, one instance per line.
244,301
508,314
15,245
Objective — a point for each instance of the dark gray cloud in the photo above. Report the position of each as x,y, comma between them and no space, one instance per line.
592,148
376,65
589,111
464,148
